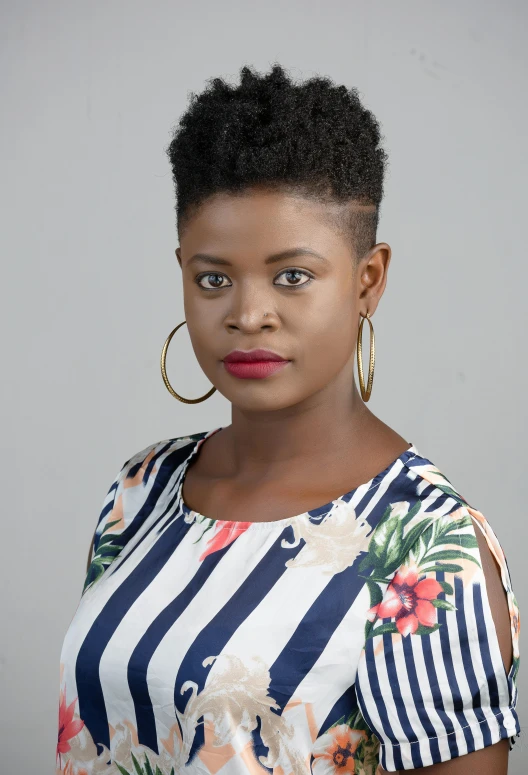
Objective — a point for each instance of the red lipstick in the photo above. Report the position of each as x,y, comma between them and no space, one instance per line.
253,364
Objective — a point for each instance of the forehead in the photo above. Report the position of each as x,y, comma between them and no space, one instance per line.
263,218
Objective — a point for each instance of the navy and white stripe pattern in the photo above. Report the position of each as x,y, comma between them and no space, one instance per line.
359,631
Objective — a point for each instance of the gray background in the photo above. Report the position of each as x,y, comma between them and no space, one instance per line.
89,92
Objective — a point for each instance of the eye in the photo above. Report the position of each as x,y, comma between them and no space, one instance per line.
215,279
295,274
211,277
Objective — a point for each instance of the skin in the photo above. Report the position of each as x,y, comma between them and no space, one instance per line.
302,436
309,417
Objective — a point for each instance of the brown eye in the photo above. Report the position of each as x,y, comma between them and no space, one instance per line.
212,277
294,276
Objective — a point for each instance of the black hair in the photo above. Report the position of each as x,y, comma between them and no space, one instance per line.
315,139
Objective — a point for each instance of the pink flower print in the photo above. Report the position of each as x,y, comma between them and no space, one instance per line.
408,600
226,532
68,726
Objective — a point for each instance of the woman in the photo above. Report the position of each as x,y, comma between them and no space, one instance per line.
302,590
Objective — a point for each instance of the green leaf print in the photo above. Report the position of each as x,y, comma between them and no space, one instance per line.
451,554
108,526
515,668
466,541
376,595
383,628
148,767
442,567
392,549
368,759
377,579
449,491
427,536
399,562
356,721
109,550
339,722
108,547
445,604
411,513
209,526
382,536
105,539
405,547
422,630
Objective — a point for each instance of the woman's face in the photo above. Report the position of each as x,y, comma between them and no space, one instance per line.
313,301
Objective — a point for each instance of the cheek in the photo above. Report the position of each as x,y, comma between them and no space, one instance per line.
202,342
326,340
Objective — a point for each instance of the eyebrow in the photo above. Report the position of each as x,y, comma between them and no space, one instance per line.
284,254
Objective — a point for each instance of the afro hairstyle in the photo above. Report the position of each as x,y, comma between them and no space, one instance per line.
314,139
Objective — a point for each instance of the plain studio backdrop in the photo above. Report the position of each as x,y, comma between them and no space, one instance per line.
91,287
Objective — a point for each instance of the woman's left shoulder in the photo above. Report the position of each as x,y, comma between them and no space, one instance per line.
437,578
473,541
433,483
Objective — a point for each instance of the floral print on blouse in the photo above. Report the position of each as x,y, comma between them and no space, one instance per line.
354,634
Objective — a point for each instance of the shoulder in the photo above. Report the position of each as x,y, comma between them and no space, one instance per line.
494,574
442,630
426,473
178,447
436,496
434,486
157,465
153,465
431,531
442,505
137,494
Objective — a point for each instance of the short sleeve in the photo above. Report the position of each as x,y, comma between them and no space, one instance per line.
431,683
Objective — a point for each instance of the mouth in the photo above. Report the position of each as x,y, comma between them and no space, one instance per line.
253,364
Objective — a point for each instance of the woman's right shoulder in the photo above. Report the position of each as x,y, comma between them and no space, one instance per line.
157,450
134,496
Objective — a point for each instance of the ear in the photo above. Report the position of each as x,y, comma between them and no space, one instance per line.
373,275
178,255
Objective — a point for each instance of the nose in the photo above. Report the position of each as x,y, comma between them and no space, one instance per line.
251,322
251,314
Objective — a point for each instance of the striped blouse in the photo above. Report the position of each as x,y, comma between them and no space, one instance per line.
355,633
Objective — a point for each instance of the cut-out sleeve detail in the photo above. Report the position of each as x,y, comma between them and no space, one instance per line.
431,682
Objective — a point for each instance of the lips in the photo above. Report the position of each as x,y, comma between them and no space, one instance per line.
253,356
254,364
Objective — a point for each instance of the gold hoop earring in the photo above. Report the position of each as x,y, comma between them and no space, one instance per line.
166,379
365,393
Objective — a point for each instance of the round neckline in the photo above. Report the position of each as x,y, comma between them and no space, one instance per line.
324,508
